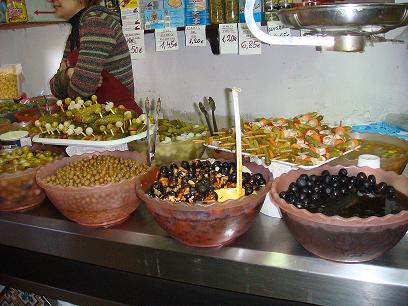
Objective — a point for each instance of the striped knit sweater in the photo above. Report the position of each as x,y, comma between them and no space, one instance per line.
102,46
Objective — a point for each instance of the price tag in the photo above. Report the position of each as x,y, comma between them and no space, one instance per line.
276,28
135,41
228,34
195,36
248,44
166,39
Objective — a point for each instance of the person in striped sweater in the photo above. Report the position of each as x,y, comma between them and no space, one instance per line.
96,58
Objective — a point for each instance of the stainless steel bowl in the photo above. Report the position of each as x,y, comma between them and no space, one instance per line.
346,19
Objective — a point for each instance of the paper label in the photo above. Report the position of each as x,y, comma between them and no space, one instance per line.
136,43
166,39
248,44
276,28
228,34
195,36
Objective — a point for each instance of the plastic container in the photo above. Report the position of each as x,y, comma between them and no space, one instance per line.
205,225
172,151
93,206
13,139
19,191
10,81
343,239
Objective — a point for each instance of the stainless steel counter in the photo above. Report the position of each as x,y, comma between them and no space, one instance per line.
266,261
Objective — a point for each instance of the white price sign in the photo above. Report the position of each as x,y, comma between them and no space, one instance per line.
248,44
276,28
228,35
166,39
195,36
135,42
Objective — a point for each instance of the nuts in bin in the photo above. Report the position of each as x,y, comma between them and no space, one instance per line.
8,83
97,170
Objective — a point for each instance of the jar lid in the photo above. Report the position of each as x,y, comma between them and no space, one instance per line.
13,135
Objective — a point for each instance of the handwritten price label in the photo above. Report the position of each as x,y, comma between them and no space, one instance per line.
195,36
248,44
166,39
135,42
276,28
228,35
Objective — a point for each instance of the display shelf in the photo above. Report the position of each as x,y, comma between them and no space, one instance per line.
14,26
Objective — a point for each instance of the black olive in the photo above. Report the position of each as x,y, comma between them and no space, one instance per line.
313,178
306,190
361,176
257,176
301,182
261,181
328,190
343,172
173,167
343,190
232,177
282,195
298,204
382,187
293,187
173,181
350,186
248,190
171,193
245,177
302,196
188,196
325,172
224,171
371,179
315,197
343,180
251,181
335,184
185,164
335,192
201,187
352,180
327,179
390,190
306,202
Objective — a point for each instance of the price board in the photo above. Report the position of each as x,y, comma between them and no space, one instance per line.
166,39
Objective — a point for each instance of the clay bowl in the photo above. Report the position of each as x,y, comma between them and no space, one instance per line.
343,239
395,163
205,225
93,206
19,191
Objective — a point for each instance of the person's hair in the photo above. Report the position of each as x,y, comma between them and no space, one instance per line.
89,3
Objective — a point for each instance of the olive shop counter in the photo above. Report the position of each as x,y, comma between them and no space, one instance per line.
137,263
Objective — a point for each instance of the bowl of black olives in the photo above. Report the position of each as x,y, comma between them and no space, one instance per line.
342,214
182,198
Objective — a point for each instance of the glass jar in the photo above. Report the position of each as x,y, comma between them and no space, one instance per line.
217,11
231,11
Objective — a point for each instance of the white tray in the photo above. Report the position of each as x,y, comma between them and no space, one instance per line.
261,160
90,143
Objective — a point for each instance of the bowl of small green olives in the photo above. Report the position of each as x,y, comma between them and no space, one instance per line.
94,190
183,198
352,214
18,188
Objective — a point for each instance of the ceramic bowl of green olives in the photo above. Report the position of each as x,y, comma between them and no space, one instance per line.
18,188
94,190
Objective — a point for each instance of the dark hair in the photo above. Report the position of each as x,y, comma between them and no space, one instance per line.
89,3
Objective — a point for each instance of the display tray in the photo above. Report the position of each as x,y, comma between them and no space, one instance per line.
89,143
282,162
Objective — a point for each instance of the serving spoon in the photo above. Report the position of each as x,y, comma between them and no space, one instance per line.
211,103
207,118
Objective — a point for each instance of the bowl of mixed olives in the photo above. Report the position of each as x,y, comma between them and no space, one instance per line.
18,188
352,214
95,190
183,198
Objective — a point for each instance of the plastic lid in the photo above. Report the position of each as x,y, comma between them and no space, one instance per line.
13,135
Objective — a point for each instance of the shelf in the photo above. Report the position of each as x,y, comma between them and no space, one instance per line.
13,26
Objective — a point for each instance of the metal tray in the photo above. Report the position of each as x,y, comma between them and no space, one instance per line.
346,19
